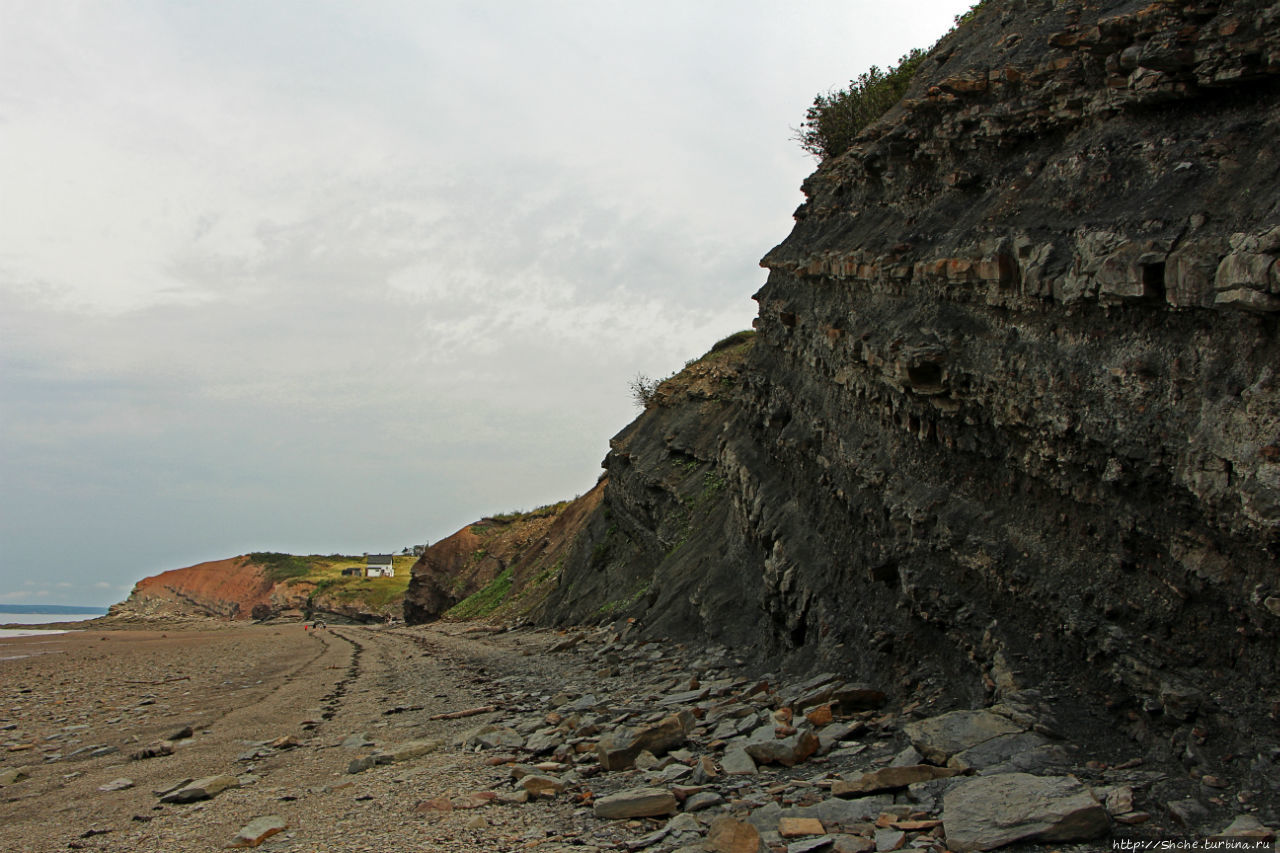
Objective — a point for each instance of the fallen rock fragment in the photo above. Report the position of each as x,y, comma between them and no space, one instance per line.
393,754
155,750
890,839
618,750
201,789
795,827
541,786
787,751
117,784
737,762
991,811
890,778
258,830
729,835
638,802
10,775
1246,826
939,738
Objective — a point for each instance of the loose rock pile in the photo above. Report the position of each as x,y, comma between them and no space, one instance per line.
656,752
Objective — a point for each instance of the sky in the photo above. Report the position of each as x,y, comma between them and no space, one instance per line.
342,277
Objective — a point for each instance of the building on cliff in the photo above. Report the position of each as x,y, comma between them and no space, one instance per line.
379,566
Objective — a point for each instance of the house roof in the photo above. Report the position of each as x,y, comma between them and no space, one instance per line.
378,560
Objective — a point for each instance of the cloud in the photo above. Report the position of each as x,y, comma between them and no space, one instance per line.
322,276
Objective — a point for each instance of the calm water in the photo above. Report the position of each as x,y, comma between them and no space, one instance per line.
18,621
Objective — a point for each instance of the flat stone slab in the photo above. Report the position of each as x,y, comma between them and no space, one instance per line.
997,750
890,778
259,830
939,738
729,835
638,802
201,789
737,762
991,811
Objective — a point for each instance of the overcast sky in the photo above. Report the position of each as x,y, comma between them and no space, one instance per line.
342,277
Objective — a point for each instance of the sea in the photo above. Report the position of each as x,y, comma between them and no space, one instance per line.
22,619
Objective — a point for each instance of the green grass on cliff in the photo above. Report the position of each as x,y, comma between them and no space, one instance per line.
323,575
836,117
482,603
281,567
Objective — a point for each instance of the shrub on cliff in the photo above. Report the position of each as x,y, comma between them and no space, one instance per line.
837,117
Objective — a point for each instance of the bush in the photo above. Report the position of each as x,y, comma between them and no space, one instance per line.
836,118
281,567
643,389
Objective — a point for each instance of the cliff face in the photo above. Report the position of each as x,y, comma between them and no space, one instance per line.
228,589
1011,417
500,567
240,588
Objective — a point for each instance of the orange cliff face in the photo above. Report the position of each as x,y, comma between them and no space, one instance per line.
222,588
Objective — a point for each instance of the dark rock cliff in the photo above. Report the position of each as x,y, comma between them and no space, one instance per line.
1011,416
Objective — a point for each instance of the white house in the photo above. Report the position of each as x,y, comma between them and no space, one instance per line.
379,566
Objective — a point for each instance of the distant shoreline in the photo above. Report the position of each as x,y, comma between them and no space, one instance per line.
26,620
53,609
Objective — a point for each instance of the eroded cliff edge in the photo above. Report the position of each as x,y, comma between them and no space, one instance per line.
1011,416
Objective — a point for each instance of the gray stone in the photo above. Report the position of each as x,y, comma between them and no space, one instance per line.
494,737
890,839
737,762
830,735
1246,826
361,764
787,751
837,812
991,811
1188,813
359,740
807,845
938,738
117,784
542,743
997,750
703,800
907,757
638,802
1049,760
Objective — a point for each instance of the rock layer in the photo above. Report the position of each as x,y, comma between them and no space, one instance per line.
1011,416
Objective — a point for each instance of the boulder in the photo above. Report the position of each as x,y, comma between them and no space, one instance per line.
618,750
991,811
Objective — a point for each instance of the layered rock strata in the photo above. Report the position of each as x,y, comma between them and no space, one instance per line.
1011,417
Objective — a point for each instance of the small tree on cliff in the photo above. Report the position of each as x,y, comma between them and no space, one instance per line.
643,389
836,118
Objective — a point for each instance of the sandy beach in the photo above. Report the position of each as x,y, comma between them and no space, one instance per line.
77,706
